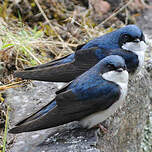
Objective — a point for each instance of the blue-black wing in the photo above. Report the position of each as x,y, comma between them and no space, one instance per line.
62,70
70,105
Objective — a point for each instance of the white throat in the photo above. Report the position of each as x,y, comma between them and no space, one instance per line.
116,77
135,47
120,78
138,48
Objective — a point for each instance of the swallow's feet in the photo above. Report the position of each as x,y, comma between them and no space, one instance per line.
103,129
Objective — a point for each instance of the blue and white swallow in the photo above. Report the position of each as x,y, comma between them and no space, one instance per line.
128,42
90,98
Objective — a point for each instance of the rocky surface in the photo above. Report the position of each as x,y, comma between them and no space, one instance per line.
145,22
124,128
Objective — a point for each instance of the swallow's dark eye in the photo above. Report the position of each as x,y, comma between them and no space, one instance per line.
125,67
110,67
125,38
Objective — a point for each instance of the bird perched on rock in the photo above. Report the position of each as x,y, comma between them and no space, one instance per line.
90,98
128,42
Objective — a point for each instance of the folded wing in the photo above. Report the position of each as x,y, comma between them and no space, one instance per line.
68,106
61,70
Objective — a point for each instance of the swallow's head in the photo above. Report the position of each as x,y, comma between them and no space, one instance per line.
131,38
114,69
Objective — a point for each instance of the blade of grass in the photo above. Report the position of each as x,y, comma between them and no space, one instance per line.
5,131
31,54
13,85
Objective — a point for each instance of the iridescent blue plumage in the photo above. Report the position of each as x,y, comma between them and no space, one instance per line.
68,68
87,94
107,42
111,40
86,86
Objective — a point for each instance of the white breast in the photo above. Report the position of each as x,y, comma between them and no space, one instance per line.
122,80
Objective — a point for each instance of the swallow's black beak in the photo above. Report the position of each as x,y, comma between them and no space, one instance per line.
120,70
142,38
137,40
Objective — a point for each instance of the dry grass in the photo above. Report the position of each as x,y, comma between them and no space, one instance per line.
31,46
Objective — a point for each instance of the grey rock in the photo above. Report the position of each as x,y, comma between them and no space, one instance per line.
145,22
